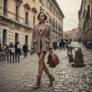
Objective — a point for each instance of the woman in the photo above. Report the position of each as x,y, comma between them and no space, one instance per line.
41,43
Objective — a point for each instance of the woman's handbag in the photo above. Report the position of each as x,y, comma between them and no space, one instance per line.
53,60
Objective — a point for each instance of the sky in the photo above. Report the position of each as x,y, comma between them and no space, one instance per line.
70,10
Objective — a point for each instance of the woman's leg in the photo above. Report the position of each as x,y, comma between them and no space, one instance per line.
47,72
40,68
41,61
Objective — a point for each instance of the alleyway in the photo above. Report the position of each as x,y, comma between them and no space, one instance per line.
21,77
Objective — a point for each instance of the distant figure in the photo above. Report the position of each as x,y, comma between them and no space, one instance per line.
12,52
7,52
17,51
69,53
3,52
61,44
25,49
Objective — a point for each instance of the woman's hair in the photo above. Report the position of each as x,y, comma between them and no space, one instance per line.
45,17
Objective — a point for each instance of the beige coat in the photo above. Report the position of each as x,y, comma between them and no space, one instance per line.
45,37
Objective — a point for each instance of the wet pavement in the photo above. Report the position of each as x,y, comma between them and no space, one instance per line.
21,77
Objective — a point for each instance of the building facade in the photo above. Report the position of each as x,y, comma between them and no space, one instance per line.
72,34
17,18
85,22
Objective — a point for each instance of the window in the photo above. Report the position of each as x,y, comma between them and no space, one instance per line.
4,36
59,28
56,24
16,37
5,7
51,7
34,19
53,22
88,14
17,12
26,17
26,39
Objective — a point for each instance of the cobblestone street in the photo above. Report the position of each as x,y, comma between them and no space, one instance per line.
21,77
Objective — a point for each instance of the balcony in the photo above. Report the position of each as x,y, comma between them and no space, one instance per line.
27,6
34,10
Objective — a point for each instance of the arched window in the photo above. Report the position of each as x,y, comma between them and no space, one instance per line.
5,7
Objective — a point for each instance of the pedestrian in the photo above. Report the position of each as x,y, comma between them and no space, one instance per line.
25,49
3,52
60,44
7,52
12,52
69,53
17,51
41,43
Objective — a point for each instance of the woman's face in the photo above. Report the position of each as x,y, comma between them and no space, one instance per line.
41,17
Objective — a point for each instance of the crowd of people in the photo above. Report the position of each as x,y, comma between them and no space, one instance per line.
12,52
62,44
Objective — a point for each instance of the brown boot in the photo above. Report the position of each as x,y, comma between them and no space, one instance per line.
51,80
38,82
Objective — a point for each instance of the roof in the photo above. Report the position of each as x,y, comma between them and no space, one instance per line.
58,8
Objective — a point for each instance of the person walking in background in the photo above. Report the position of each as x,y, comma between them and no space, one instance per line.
17,51
12,52
25,49
41,43
3,52
70,53
7,52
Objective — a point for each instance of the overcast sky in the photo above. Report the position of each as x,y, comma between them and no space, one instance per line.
70,9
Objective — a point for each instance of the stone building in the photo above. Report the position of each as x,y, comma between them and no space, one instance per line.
85,22
17,18
72,34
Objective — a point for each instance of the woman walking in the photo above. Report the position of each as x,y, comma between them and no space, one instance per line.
41,43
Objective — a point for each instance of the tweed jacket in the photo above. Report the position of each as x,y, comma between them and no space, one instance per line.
45,37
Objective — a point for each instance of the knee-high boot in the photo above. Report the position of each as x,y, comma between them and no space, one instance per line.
38,82
52,79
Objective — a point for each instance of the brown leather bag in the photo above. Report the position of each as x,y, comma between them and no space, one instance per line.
53,60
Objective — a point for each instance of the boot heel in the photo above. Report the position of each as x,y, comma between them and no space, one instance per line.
38,82
52,79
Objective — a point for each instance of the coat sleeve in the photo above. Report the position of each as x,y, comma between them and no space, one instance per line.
50,37
33,35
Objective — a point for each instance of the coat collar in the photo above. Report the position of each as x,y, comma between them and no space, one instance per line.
43,29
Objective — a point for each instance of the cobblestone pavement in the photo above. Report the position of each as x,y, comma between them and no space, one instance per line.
21,77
